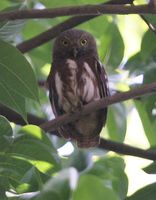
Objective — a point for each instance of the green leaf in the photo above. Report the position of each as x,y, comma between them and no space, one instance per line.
5,128
5,134
111,170
9,30
148,192
4,4
33,144
76,156
12,100
27,160
148,45
135,64
17,79
20,175
92,188
116,122
115,48
145,59
146,123
16,72
151,169
59,187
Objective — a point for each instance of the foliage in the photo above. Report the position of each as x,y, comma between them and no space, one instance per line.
29,160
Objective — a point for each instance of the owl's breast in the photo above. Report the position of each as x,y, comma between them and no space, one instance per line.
76,85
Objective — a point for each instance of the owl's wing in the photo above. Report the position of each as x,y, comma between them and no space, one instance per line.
104,90
63,131
103,80
52,93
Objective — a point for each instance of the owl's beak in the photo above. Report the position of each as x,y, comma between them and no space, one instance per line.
75,52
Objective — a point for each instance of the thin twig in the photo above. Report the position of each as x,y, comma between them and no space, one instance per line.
77,10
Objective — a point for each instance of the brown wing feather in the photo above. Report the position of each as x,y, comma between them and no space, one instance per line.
63,131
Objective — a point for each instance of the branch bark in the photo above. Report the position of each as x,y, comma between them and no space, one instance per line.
78,10
102,103
127,149
104,144
54,31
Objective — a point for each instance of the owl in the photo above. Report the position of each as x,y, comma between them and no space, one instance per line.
77,78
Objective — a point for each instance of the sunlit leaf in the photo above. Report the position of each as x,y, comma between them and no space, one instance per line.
91,188
33,145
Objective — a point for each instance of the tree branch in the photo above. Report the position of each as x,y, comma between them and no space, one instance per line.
127,149
96,105
78,10
104,144
54,31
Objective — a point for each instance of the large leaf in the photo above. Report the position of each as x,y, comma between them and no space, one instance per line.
111,170
19,174
5,134
148,192
146,122
92,188
148,45
27,159
142,61
10,30
12,100
33,144
151,169
5,128
17,79
76,156
116,122
59,187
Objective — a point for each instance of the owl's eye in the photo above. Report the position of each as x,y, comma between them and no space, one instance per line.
83,42
65,42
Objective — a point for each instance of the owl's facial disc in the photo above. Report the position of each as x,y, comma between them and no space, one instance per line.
74,44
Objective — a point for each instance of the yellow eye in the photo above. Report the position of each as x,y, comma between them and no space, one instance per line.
83,42
65,42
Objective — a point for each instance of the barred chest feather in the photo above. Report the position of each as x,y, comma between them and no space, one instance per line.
77,85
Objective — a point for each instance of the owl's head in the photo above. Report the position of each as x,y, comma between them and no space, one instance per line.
74,43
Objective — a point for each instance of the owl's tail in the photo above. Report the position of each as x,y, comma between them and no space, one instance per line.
88,142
